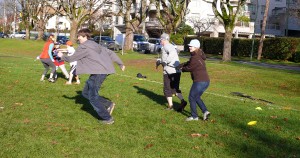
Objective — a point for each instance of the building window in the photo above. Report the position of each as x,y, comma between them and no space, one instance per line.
263,7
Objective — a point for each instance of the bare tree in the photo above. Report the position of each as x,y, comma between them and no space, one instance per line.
263,28
133,18
78,12
200,24
227,13
172,13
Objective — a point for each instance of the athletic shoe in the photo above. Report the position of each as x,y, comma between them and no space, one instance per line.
108,122
110,109
68,83
182,105
206,115
192,119
77,82
42,80
51,80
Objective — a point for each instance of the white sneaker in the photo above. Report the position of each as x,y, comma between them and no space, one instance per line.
206,115
191,119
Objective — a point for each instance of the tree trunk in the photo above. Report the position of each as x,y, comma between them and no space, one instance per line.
73,31
128,37
27,30
40,29
261,41
227,45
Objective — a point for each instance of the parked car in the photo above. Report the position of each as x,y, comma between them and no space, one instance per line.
3,35
154,45
62,39
107,42
18,35
140,43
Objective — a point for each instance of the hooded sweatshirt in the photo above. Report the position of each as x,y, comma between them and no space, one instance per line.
196,65
170,59
94,59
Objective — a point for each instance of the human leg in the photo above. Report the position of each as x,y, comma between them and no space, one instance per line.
192,99
91,92
201,87
175,82
167,90
65,72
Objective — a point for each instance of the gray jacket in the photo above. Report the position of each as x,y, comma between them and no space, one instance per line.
170,59
94,59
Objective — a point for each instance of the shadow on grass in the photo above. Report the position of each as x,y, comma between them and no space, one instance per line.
86,106
262,143
159,99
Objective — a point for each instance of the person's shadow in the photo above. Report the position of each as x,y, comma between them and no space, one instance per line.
86,106
160,100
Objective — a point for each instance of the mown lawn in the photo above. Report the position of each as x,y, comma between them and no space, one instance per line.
42,119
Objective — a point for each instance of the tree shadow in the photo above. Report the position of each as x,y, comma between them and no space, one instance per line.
160,100
86,106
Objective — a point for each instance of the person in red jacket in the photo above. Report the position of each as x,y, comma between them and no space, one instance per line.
47,59
196,66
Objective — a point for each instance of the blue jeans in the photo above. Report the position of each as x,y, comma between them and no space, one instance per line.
196,91
90,92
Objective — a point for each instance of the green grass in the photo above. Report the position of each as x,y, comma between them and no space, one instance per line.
41,119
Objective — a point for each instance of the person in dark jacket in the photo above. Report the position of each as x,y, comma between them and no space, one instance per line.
196,66
97,61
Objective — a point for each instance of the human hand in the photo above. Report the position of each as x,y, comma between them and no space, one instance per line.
123,68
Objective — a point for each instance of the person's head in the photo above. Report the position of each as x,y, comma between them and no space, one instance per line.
69,43
194,45
51,38
164,38
83,35
56,45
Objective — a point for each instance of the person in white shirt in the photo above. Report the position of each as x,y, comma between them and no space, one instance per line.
73,64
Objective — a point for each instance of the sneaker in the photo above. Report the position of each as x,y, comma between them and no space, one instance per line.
51,80
42,80
182,105
110,109
206,115
77,82
192,119
108,122
68,83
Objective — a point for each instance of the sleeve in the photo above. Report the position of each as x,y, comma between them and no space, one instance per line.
168,56
114,57
80,53
189,66
50,51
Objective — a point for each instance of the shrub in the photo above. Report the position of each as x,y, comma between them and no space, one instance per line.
177,39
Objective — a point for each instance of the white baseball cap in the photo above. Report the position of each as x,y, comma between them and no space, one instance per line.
194,43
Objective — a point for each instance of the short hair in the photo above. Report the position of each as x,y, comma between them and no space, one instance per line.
84,33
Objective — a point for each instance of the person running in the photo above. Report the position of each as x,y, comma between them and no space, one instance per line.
47,59
171,75
59,63
73,64
97,61
197,67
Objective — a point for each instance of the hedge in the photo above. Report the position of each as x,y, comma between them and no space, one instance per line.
283,48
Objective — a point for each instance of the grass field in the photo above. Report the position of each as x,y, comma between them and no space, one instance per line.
42,119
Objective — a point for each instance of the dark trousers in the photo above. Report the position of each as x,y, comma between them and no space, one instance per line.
91,92
171,84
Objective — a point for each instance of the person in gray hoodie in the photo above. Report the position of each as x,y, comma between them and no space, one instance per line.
97,61
171,75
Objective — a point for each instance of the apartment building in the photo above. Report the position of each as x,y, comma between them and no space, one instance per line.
280,20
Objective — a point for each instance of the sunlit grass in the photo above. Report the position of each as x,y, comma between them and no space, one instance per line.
41,119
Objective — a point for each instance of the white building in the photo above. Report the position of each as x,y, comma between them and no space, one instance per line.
200,11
